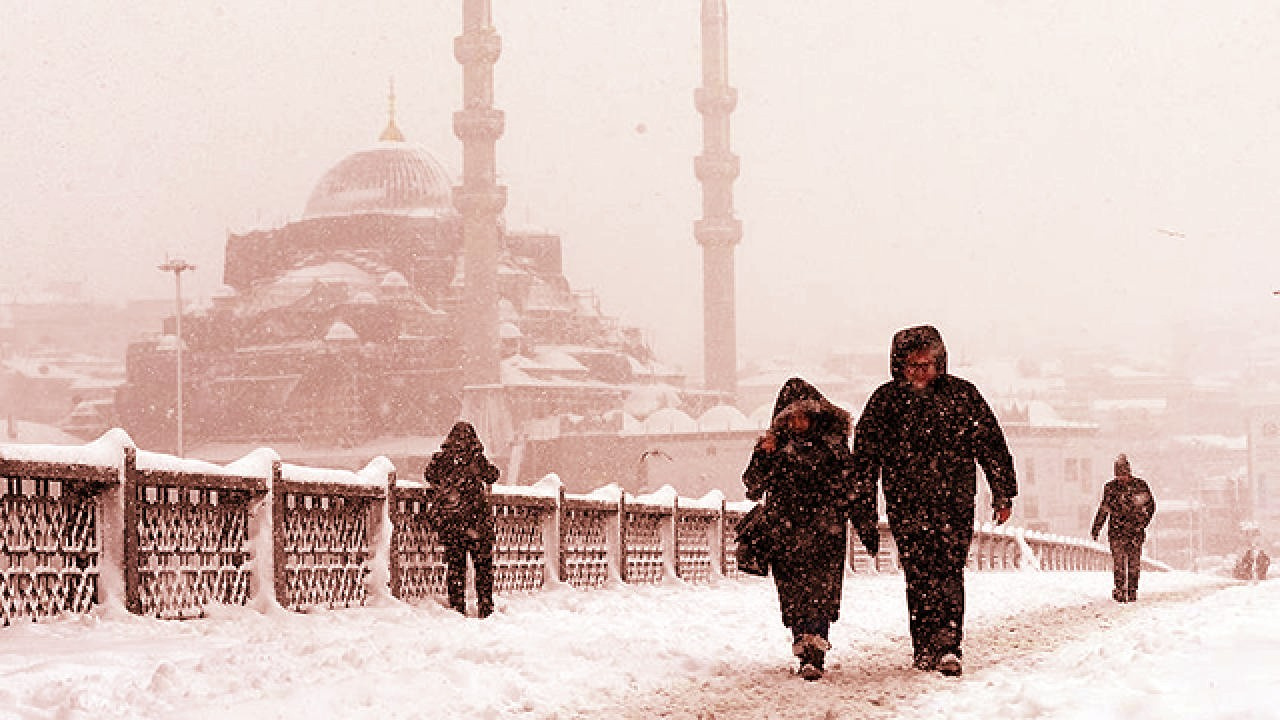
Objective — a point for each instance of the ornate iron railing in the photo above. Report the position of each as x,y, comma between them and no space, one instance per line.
169,537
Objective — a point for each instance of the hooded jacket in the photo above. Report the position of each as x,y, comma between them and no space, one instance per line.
457,478
806,477
925,445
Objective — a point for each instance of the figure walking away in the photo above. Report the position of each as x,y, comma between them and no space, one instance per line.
801,468
458,478
922,435
1127,504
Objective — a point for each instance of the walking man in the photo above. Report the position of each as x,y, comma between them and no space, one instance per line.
922,435
1128,504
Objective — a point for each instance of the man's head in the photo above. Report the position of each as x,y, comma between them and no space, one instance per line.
1122,465
914,347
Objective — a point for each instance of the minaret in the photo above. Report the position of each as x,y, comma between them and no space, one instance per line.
391,133
480,201
718,231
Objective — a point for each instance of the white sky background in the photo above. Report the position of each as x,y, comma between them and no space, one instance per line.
1038,645
1000,169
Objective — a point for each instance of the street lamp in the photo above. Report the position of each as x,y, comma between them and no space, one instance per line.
177,266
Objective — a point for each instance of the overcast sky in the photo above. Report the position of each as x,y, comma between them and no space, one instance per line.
1009,171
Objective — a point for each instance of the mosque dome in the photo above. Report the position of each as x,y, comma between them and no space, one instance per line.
392,177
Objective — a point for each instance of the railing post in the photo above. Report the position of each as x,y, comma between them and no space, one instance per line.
718,542
387,529
129,558
553,529
622,536
277,498
671,541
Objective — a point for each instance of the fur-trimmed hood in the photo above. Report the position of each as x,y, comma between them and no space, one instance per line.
798,396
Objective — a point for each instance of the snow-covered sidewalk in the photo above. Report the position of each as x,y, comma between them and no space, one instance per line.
1038,645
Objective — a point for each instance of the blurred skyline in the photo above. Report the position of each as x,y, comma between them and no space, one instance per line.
1023,176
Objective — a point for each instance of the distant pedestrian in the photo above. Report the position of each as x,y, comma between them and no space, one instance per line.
1254,561
458,478
1128,505
801,470
923,435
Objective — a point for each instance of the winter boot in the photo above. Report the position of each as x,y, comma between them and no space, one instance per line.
925,662
949,665
812,651
1133,596
1119,595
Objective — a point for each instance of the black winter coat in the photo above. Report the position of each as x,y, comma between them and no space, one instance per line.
806,483
1129,504
925,447
458,479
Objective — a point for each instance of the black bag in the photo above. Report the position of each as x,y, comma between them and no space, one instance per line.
755,543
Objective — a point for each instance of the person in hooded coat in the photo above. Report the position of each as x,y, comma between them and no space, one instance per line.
801,468
922,436
458,478
1128,504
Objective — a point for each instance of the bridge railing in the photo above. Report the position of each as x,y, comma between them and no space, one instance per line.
107,524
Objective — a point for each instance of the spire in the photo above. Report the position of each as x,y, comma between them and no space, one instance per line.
392,133
719,230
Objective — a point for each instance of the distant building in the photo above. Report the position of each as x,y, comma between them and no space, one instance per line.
343,326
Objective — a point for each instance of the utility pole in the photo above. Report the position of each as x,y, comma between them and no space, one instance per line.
177,266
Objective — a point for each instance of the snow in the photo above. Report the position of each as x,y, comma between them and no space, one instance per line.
1039,645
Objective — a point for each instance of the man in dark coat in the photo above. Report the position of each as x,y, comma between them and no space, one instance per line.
1128,503
920,435
458,479
801,467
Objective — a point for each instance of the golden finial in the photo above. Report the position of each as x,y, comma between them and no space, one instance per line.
392,133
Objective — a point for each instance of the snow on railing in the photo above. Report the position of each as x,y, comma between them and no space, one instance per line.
106,524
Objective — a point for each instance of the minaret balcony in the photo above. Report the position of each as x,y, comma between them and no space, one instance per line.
473,201
718,232
719,166
477,47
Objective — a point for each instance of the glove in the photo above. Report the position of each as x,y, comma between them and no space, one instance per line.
870,537
1002,508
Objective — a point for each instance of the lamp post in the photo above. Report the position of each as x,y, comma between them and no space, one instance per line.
177,266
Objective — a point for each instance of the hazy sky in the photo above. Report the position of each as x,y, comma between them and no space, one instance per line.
1010,171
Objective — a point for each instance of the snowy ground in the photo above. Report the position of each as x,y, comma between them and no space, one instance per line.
1039,645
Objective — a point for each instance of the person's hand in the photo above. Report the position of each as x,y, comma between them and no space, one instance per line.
768,442
1094,535
1002,508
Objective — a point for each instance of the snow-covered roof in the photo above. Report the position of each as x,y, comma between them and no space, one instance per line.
724,417
1042,414
669,420
1152,404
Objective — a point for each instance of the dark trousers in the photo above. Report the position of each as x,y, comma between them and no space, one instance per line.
1126,559
480,547
933,560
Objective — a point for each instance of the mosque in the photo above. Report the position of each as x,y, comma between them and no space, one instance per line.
401,300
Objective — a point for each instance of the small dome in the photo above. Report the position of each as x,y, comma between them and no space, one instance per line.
724,417
392,177
394,279
669,420
340,331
